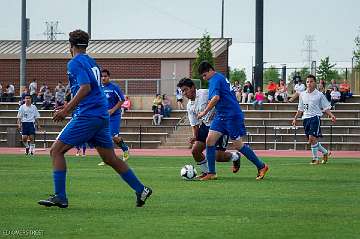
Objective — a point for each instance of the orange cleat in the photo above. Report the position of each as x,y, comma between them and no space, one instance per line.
209,176
262,172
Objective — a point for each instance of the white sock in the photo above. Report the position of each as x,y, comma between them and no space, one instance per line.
234,156
203,166
314,151
32,148
322,149
26,144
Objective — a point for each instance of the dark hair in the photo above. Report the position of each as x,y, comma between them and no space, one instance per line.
79,39
27,95
105,71
185,82
311,76
205,66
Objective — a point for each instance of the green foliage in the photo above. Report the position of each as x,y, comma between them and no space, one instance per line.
271,73
238,75
303,73
325,70
203,53
286,204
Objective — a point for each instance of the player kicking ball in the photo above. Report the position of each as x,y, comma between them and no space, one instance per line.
312,103
90,124
198,100
228,120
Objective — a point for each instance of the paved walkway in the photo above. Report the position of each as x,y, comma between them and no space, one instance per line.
186,152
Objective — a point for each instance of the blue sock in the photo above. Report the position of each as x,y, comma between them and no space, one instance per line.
250,155
59,178
123,146
130,178
210,156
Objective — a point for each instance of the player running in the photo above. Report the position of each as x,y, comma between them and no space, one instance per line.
115,98
89,125
198,100
229,120
312,103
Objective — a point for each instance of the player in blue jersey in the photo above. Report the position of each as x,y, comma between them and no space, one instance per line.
229,119
115,98
89,125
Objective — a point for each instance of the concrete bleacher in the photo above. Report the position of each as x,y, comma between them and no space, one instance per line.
274,122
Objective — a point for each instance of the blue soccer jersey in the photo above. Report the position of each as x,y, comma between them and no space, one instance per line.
82,70
227,106
113,95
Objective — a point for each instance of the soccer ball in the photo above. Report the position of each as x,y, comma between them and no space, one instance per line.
188,172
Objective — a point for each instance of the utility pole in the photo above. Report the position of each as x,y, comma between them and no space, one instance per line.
89,18
259,31
222,18
309,48
24,41
52,31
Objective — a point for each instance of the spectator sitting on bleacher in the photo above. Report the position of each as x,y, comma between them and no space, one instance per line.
47,100
59,87
335,96
299,87
22,97
330,88
67,93
60,97
9,94
237,89
33,91
345,91
271,90
40,96
259,98
281,94
158,115
247,93
321,86
156,102
1,92
167,105
126,105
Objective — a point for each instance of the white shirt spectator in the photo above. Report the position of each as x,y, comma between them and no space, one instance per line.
335,95
28,113
33,88
179,94
11,89
198,105
313,104
299,87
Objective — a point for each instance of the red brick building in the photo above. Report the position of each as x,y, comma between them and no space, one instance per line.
142,66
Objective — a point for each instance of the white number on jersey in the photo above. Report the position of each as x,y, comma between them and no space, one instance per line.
96,72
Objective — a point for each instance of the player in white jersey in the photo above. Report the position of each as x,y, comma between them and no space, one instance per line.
312,104
27,119
198,100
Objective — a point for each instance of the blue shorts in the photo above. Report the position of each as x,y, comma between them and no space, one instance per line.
312,126
115,124
92,130
27,128
233,127
222,142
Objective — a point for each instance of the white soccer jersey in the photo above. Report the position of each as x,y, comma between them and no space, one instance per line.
313,104
197,106
28,113
299,88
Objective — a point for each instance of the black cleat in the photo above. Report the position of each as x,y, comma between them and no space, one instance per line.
27,151
54,200
236,164
141,197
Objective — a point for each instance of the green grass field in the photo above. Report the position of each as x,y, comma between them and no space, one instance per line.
296,200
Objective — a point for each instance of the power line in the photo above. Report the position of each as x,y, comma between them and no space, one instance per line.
309,48
52,30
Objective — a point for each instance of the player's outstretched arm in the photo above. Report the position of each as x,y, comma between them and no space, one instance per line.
331,115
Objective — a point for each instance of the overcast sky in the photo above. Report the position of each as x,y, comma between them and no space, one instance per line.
333,24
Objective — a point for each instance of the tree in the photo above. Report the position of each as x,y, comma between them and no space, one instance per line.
357,52
238,75
271,73
203,54
325,70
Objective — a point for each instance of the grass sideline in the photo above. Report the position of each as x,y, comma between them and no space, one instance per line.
296,200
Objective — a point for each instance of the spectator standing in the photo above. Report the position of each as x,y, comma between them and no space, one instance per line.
33,91
167,105
248,92
179,98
